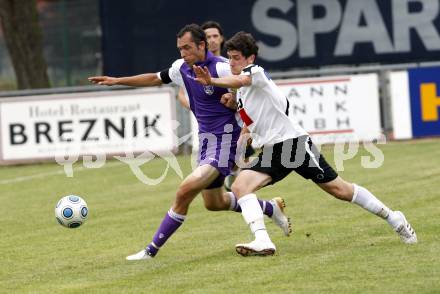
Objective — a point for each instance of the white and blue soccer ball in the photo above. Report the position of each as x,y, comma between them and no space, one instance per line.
71,211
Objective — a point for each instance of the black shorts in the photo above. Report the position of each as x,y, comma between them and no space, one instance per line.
249,151
217,183
299,155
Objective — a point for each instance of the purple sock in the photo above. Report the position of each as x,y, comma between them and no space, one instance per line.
266,206
170,223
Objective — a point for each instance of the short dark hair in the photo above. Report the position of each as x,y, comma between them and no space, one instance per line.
210,24
197,33
244,43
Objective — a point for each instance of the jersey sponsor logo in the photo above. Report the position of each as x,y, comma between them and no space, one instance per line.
209,90
424,86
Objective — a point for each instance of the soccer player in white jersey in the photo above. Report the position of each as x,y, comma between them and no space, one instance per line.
287,147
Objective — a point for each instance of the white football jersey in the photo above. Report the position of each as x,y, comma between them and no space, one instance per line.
265,109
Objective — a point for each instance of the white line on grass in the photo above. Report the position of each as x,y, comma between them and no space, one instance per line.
52,173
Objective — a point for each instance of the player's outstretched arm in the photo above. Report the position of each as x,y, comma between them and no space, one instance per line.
143,80
204,77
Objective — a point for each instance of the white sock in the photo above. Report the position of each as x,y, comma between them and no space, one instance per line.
262,235
233,201
368,201
253,216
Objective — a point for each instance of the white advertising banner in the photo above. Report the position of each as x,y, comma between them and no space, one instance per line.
336,109
111,122
400,105
332,109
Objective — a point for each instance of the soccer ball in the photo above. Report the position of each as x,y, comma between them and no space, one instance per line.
71,211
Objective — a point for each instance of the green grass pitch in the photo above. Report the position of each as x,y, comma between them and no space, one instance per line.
336,247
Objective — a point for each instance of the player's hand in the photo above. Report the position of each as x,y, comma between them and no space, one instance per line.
202,75
228,100
104,80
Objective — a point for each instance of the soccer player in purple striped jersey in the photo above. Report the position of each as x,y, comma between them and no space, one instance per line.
216,39
218,135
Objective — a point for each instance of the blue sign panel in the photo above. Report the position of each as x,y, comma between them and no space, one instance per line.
140,36
424,86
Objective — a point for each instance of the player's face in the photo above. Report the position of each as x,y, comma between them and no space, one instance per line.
237,61
189,50
214,40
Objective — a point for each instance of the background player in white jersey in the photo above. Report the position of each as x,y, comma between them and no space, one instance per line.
215,37
287,148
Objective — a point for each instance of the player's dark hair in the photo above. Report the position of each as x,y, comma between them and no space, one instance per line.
197,34
210,24
244,43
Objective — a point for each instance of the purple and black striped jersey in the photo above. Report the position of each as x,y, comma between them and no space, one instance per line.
211,115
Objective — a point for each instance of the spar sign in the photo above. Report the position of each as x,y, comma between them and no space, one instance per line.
290,33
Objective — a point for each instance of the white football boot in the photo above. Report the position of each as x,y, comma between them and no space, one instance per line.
141,255
279,217
405,231
256,248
